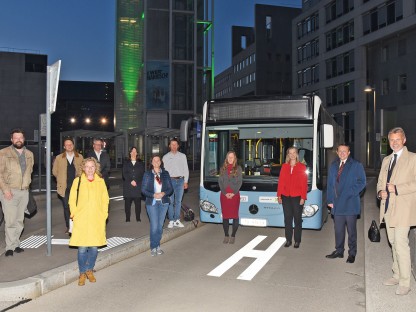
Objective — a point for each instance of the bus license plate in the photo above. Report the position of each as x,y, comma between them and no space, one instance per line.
253,222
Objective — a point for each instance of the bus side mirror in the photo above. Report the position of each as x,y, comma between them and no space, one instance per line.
327,132
184,131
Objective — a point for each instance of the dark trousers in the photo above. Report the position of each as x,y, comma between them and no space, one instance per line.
340,223
137,206
226,226
66,206
293,212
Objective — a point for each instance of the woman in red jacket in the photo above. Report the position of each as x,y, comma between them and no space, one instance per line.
291,192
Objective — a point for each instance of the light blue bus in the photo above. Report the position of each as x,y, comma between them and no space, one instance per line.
260,130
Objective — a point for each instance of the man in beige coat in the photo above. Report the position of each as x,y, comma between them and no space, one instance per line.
65,168
396,188
16,166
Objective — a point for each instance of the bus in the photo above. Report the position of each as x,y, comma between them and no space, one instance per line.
260,130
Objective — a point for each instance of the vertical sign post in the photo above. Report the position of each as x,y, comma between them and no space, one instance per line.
52,81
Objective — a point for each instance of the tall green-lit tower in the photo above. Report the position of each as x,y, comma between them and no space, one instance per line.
128,87
161,72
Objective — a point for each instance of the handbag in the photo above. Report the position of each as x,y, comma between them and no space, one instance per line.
71,222
32,207
374,232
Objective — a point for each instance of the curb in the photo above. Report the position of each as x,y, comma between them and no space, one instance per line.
38,285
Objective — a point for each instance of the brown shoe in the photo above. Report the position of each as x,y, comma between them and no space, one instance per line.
402,290
226,239
232,240
391,282
90,276
82,278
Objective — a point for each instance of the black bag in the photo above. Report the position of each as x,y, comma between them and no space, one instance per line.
32,207
1,215
188,213
374,232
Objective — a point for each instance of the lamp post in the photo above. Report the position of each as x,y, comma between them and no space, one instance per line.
373,89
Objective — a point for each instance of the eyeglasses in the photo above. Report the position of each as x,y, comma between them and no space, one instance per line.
157,178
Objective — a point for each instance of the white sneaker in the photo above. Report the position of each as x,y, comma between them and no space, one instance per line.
178,223
159,251
153,252
170,225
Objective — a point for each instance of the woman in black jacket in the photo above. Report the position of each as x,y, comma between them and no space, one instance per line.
133,170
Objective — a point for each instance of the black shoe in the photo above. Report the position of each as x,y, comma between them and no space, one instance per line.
334,255
18,250
127,220
351,259
296,245
138,220
288,243
9,253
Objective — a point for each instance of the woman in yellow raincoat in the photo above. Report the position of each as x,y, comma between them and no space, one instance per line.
88,202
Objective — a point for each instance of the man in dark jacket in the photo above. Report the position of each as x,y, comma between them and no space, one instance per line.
346,180
103,158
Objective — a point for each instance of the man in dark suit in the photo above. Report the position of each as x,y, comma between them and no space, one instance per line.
346,180
103,158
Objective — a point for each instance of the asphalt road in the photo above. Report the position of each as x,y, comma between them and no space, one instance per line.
292,280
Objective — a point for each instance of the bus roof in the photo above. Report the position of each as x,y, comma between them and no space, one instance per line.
265,108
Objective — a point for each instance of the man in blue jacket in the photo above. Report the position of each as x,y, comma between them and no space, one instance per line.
346,180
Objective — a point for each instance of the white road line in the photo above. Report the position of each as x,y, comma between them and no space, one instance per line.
117,198
36,241
115,241
262,257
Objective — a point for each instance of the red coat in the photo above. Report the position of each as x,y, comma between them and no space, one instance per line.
293,184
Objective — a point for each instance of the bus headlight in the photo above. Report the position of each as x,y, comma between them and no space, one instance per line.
206,206
309,211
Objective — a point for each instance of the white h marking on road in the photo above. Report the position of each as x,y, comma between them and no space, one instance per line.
262,257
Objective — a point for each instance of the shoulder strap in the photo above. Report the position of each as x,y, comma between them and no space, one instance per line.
79,182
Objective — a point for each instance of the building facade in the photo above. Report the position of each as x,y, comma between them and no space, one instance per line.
159,70
22,95
261,55
342,46
83,108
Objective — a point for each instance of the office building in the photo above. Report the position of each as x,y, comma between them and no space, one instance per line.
342,46
83,110
261,55
159,70
22,95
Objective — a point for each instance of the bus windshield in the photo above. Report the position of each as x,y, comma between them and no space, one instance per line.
261,149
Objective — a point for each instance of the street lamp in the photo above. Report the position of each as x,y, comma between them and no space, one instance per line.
373,89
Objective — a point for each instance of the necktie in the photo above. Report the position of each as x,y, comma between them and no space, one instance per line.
389,173
340,170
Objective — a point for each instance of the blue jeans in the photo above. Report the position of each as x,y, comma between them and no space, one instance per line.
174,212
86,258
157,214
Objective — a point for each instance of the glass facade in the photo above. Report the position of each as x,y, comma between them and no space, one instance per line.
158,62
129,64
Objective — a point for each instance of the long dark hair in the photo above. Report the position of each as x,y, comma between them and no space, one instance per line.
137,154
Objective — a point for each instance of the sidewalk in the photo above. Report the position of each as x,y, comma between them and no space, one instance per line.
378,262
33,274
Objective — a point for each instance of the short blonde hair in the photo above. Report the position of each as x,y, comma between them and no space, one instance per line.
96,163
